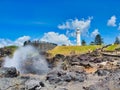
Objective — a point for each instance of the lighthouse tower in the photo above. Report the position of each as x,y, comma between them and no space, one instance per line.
78,38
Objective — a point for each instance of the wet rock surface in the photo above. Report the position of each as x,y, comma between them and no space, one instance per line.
90,71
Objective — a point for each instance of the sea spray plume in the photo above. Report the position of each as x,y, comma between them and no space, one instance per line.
27,60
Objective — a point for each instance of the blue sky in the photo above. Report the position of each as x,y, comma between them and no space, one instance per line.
35,17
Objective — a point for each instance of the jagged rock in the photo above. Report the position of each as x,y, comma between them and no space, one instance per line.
20,83
80,77
67,77
5,52
33,85
84,57
61,89
95,53
102,72
8,72
97,60
118,64
1,62
85,64
42,84
59,56
110,82
12,83
56,77
53,62
77,69
97,87
75,63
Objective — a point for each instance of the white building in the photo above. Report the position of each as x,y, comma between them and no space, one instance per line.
78,37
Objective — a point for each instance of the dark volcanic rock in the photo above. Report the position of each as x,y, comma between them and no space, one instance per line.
56,76
8,72
59,56
5,52
97,87
79,77
18,83
1,62
95,53
110,82
102,72
97,60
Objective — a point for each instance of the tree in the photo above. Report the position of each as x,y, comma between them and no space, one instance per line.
117,41
92,43
83,42
98,40
27,42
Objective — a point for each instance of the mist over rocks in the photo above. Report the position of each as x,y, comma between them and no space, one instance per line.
27,59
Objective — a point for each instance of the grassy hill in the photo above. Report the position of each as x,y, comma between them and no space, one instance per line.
66,50
112,47
8,50
11,48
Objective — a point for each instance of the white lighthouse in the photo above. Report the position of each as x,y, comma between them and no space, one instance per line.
78,37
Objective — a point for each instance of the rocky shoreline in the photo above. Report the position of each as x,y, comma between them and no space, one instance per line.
90,71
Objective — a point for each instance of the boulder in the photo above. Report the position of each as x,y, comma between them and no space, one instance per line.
34,85
97,87
20,83
59,56
84,57
110,82
98,60
54,76
1,62
57,77
102,72
77,69
8,72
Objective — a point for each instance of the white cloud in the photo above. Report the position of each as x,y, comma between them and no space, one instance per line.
112,21
17,42
70,33
94,33
73,24
119,26
56,38
21,40
66,25
5,42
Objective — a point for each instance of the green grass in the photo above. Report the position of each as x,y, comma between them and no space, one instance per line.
112,47
11,48
66,50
